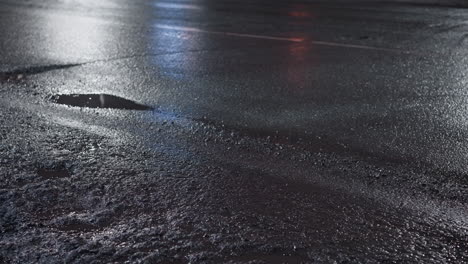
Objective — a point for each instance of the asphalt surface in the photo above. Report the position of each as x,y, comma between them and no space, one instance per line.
233,131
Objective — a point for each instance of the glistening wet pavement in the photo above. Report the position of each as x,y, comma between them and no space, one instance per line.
176,197
302,131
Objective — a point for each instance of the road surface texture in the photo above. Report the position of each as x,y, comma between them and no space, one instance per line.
233,131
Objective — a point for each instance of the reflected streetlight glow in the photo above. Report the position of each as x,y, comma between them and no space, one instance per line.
75,38
177,6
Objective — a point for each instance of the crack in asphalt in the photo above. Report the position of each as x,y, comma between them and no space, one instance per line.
142,55
146,55
41,69
19,73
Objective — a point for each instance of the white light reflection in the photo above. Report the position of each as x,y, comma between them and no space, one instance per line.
180,42
177,6
75,38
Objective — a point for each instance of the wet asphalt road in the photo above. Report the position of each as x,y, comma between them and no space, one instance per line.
280,132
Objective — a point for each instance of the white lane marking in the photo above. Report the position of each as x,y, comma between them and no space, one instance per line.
190,29
178,6
316,42
354,46
261,36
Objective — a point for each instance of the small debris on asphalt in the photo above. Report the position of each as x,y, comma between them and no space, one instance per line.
53,173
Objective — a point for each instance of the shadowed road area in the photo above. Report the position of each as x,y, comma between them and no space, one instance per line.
233,131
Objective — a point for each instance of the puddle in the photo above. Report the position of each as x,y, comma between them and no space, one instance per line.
53,173
98,101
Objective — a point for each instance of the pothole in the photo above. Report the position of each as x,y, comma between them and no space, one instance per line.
98,101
